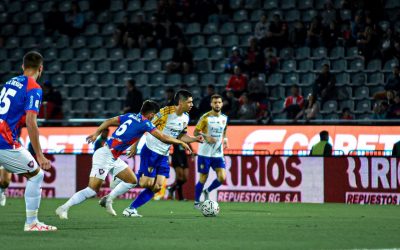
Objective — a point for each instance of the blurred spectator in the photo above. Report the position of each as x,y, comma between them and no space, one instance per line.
394,109
390,97
54,20
329,14
380,110
173,34
324,85
253,52
237,82
137,32
323,147
298,35
155,37
101,139
247,109
396,52
75,20
392,84
346,115
99,5
236,59
314,33
396,149
52,101
201,10
261,29
357,26
256,88
367,43
346,34
268,62
231,105
294,103
310,109
169,97
278,33
222,12
121,30
205,101
330,35
134,98
182,60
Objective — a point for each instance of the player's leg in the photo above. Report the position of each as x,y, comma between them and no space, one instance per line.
218,165
203,167
5,179
20,161
145,196
181,180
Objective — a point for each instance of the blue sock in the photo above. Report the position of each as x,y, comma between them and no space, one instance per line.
138,179
142,198
215,184
198,190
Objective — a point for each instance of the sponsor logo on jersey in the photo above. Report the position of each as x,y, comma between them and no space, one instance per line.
150,169
31,164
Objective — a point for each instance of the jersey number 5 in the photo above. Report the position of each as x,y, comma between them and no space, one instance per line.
123,127
5,101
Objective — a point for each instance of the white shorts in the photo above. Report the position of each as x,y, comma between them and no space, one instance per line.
104,162
18,161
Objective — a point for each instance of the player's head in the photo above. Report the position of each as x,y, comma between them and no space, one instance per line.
149,109
324,135
33,61
184,99
216,103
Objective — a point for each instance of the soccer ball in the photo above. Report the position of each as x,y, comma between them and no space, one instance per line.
210,208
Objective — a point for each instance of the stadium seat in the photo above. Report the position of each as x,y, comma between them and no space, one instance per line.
83,54
306,65
108,29
133,5
113,106
342,79
344,93
116,54
62,42
210,28
358,79
12,43
288,66
390,64
91,79
361,93
329,107
193,28
374,65
24,30
153,66
384,25
217,54
292,15
174,79
70,67
223,80
275,79
288,4
352,52
100,54
277,107
219,66
256,15
77,92
87,67
227,28
244,28
14,7
337,52
320,52
345,14
81,106
116,5
363,106
207,79
197,41
133,54
270,4
244,40
286,53
214,41
191,79
319,63
166,54
7,30
150,54
200,54
36,18
142,79
3,55
347,104
231,40
136,66
305,4
339,65
5,66
110,93
92,29
375,79
291,78
203,66
107,79
157,79
103,66
29,42
302,53
240,16
391,4
357,65
331,116
277,93
308,15
307,79
79,42
74,79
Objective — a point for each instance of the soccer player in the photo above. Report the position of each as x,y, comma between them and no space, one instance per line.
212,125
5,179
101,140
20,101
154,167
130,128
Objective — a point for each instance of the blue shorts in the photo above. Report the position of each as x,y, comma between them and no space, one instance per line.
204,163
153,164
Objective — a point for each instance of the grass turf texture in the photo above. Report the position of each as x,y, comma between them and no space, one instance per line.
176,225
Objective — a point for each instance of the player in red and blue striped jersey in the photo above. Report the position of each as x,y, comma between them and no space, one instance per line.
20,100
130,129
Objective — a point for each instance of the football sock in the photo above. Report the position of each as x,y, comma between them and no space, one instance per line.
2,191
198,189
80,197
215,184
120,189
33,193
179,187
142,198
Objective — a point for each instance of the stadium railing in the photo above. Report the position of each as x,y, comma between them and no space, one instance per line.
359,152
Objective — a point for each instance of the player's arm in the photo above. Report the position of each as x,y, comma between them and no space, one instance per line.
133,149
199,131
106,124
33,132
168,139
226,145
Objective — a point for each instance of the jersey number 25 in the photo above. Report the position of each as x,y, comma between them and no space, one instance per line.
5,101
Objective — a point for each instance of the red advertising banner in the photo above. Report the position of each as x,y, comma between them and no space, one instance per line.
362,180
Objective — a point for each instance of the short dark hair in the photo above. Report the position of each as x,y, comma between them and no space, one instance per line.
32,60
211,86
216,96
182,95
149,106
295,86
131,82
324,135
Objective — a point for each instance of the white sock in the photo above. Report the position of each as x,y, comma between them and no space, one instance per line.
2,190
120,189
33,194
79,197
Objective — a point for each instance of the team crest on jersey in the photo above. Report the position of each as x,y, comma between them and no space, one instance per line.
223,122
31,164
101,171
150,169
202,166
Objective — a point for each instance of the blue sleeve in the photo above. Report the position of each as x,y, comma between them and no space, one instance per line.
123,118
149,126
33,100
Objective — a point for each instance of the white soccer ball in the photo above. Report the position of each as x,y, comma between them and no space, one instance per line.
210,208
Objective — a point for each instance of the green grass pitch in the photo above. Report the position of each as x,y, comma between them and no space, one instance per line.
176,225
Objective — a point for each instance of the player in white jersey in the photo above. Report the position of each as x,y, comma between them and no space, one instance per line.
5,179
212,125
154,166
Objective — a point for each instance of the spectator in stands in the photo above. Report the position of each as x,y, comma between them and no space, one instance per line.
392,84
250,59
99,5
324,85
278,33
329,14
54,20
201,10
137,32
357,26
236,59
396,149
346,115
256,88
120,32
394,109
348,40
268,62
173,34
205,101
367,43
298,35
247,109
231,105
310,109
390,97
237,82
261,29
323,147
380,110
222,13
134,98
294,103
330,35
169,97
314,33
182,60
52,101
155,37
101,139
396,50
75,20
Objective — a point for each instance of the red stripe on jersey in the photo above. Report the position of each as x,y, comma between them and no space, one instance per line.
32,84
5,132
